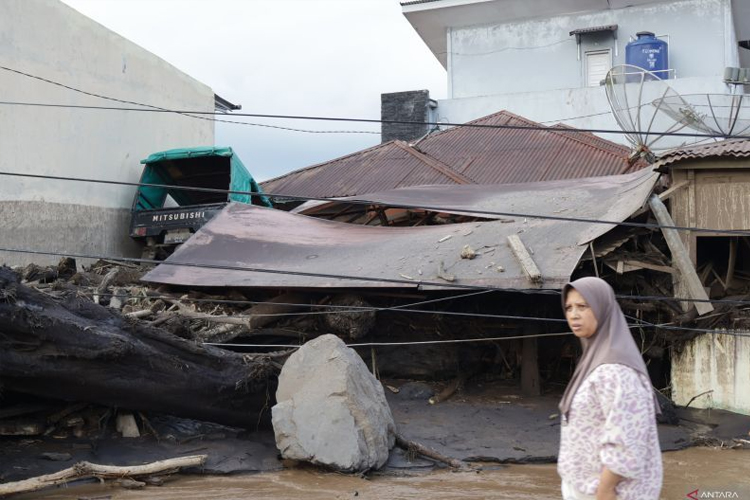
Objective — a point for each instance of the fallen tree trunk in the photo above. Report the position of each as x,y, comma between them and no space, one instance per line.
86,470
75,350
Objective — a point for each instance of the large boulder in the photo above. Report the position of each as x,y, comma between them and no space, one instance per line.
331,411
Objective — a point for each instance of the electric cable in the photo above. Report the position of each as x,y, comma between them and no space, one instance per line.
538,128
157,108
202,114
645,298
360,201
478,288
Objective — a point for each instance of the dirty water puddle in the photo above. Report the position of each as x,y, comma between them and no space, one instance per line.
704,469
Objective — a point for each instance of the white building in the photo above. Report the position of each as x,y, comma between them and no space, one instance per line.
544,59
48,39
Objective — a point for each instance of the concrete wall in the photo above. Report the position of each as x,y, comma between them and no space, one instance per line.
713,362
582,107
540,55
531,67
51,40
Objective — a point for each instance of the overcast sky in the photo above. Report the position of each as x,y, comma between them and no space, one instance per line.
301,57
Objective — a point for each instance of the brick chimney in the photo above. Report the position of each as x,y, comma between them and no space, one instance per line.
412,106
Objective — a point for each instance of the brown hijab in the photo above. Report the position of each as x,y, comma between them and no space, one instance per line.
612,342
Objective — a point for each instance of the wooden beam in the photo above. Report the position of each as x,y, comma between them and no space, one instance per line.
680,256
669,192
732,262
627,265
530,381
524,258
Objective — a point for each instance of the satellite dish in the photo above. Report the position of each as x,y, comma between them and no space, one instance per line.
725,115
647,109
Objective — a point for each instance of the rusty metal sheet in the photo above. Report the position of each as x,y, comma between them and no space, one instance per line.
284,250
461,155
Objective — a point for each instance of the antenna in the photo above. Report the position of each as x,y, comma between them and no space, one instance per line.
646,108
721,114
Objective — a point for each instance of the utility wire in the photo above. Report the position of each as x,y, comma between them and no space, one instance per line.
360,201
539,128
645,298
201,115
159,109
479,289
419,342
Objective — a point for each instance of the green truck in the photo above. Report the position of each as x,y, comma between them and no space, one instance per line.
163,217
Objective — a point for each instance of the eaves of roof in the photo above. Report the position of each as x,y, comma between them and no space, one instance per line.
739,148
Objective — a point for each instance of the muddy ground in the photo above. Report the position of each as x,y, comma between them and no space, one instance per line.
704,469
486,422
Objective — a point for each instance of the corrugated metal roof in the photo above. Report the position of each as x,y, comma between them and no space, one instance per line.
739,148
417,2
284,250
505,156
462,155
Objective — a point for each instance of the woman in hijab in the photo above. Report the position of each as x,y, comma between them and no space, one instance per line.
609,446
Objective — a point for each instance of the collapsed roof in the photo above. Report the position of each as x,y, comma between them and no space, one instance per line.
250,246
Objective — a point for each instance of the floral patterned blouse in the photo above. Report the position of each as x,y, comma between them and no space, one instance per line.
612,423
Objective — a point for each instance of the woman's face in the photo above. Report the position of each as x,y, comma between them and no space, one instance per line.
580,317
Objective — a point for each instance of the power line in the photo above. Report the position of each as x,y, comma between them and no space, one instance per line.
539,128
645,298
456,341
479,289
359,201
391,344
201,115
160,109
362,278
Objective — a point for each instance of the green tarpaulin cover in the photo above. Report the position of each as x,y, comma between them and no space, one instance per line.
165,167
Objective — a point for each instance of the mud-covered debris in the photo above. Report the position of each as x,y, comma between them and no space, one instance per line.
468,253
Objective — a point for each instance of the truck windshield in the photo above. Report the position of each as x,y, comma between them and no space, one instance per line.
204,172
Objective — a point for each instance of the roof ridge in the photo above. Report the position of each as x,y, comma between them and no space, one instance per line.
436,164
589,145
324,163
510,115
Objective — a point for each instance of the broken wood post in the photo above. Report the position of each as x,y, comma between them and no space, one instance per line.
524,258
451,389
85,470
680,257
530,385
412,446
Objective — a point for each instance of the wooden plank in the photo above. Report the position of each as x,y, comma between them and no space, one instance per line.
669,192
530,382
680,257
732,262
628,265
524,258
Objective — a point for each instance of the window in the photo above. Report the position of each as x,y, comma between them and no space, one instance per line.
597,64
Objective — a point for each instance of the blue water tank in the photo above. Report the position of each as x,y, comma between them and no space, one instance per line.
649,53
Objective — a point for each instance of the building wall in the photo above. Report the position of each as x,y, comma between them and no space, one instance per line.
540,55
713,362
532,68
582,107
49,39
715,197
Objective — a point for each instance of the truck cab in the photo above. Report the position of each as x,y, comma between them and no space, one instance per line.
164,217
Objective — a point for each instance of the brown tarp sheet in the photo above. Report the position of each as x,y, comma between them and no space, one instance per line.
271,246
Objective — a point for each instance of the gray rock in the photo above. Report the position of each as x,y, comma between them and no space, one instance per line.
331,411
